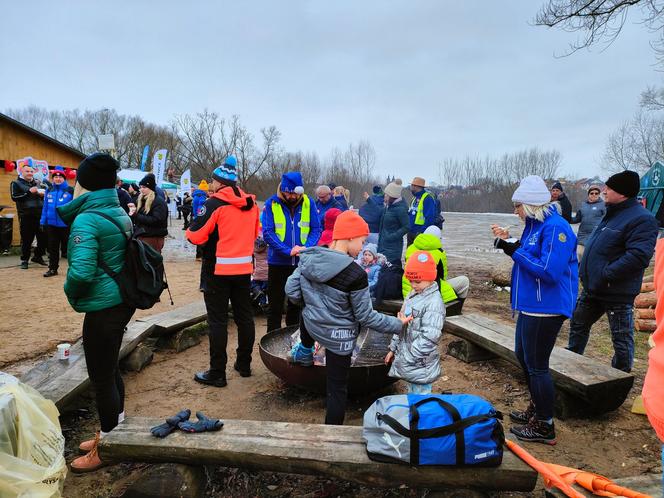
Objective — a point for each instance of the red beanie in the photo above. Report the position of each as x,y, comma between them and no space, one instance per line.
420,266
349,225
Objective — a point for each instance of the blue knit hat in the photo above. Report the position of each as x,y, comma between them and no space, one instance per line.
227,172
58,170
292,182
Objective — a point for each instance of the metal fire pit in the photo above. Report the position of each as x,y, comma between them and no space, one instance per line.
368,371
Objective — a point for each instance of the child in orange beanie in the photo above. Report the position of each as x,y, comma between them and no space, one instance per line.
335,293
414,353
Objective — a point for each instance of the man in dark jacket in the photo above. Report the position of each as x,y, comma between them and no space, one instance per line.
557,195
616,255
29,199
326,201
372,212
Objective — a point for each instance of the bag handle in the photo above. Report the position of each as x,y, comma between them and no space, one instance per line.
102,263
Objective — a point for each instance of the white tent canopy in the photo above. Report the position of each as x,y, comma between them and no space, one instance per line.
136,175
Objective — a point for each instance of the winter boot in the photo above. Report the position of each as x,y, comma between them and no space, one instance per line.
86,446
24,265
88,462
301,355
537,431
51,273
523,417
39,260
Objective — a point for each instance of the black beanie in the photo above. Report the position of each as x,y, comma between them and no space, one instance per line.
97,171
557,185
626,183
149,181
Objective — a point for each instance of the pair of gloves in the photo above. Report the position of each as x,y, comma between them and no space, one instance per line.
181,421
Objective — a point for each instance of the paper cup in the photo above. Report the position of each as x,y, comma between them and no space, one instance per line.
63,351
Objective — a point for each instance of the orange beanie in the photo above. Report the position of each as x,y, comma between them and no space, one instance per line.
420,266
349,225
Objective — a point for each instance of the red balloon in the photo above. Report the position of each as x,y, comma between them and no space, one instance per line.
71,174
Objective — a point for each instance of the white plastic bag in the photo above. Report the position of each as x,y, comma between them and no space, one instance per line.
32,462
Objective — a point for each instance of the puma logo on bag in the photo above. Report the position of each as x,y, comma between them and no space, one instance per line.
389,441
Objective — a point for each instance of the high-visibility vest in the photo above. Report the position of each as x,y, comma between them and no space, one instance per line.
446,290
280,220
419,215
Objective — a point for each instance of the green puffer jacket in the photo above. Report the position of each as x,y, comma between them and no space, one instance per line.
88,287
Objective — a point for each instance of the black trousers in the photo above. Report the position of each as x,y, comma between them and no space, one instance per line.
219,290
57,244
276,283
102,337
29,228
337,369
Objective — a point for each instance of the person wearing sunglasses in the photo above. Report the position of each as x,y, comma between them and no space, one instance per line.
588,216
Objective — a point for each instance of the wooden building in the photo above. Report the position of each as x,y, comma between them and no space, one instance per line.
18,141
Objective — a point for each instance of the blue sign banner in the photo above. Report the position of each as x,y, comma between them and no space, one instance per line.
144,159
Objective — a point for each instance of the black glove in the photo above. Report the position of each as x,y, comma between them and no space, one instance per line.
171,424
507,247
204,424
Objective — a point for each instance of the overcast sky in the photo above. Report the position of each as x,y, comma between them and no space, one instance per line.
421,80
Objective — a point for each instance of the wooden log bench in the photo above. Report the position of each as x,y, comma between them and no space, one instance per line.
393,306
63,381
335,451
585,386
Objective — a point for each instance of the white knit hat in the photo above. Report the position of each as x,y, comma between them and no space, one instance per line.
434,230
393,190
532,190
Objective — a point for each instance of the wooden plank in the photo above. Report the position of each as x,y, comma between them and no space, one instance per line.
336,451
600,386
62,381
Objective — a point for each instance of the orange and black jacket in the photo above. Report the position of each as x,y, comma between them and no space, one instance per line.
227,225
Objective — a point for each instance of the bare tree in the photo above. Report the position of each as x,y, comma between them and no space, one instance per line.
636,144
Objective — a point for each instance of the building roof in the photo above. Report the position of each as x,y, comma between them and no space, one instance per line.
32,131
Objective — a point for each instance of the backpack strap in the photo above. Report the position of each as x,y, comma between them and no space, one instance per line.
102,263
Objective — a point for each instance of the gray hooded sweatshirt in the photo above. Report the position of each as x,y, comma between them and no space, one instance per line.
416,355
337,303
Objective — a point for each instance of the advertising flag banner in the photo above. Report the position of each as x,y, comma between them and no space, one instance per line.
144,159
185,181
159,165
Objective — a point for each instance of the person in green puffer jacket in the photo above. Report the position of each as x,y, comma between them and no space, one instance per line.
91,291
450,288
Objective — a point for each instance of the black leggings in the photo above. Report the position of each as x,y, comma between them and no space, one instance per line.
102,337
337,369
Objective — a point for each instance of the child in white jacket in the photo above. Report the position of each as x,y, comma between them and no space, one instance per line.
414,353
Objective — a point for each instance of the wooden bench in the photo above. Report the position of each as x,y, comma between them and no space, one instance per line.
62,381
393,306
336,451
585,386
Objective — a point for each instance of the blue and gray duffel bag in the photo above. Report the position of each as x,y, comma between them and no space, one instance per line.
434,429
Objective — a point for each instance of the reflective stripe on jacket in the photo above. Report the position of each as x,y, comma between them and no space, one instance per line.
304,224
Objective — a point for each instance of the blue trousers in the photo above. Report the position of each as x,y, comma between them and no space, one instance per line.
621,322
533,342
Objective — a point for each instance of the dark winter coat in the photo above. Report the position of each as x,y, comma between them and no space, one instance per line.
618,252
154,223
565,207
372,212
393,226
322,208
27,203
57,195
589,215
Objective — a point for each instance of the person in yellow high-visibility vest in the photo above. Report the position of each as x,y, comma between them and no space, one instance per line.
422,212
290,224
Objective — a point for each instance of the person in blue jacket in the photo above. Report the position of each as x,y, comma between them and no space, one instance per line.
545,284
199,197
326,201
422,212
57,231
290,223
615,257
372,212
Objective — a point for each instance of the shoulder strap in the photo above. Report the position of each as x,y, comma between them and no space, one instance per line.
112,220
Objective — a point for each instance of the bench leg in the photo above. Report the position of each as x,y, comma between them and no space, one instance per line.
468,352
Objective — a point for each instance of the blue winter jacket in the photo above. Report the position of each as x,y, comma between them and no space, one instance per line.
545,276
429,212
56,195
618,252
198,199
324,208
372,211
279,252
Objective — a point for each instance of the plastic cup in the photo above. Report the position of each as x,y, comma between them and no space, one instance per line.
63,351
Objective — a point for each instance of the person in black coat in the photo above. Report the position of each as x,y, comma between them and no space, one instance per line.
558,195
611,269
28,195
151,216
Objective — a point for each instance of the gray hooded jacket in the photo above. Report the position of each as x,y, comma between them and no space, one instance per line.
335,294
416,355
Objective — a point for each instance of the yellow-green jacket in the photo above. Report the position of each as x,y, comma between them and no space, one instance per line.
431,244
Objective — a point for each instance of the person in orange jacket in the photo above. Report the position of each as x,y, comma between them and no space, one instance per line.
228,226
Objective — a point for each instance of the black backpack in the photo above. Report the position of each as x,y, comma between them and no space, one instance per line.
142,278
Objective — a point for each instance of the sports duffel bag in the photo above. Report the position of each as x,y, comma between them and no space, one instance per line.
434,429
